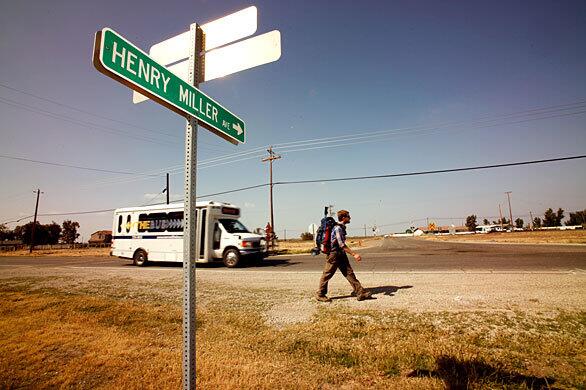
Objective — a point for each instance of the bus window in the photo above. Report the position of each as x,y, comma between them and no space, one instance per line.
233,226
175,219
142,227
120,224
217,236
230,211
203,232
154,222
128,224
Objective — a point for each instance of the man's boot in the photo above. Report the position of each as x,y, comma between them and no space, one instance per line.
364,295
322,298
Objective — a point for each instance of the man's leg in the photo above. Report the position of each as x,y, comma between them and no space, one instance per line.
348,272
329,270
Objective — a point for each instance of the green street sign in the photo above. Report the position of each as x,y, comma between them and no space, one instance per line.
118,58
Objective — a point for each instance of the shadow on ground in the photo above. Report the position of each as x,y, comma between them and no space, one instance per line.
459,374
385,290
246,264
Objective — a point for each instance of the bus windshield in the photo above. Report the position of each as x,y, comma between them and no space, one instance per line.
233,226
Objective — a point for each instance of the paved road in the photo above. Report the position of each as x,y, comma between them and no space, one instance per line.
393,255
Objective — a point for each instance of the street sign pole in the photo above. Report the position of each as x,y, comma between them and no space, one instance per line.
190,242
118,58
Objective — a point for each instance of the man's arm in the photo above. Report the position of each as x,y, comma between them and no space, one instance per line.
345,247
356,256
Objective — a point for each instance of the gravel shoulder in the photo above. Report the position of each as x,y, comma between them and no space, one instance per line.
289,295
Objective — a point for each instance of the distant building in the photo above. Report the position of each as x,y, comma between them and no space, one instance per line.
10,245
101,237
444,229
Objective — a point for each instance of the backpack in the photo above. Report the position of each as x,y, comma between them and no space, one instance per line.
323,236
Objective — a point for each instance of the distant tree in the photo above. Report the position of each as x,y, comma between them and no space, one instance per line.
553,219
577,218
53,233
519,223
536,222
486,221
471,223
5,233
306,236
505,221
44,234
23,233
69,232
559,217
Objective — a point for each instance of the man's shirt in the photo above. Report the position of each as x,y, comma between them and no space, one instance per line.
338,238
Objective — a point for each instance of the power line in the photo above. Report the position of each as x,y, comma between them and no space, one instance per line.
410,132
398,174
479,120
86,124
153,198
482,167
93,114
368,137
67,165
434,171
83,111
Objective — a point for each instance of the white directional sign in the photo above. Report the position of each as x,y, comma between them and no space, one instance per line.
220,61
219,32
242,55
226,60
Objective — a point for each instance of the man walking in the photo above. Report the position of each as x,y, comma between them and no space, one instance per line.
338,259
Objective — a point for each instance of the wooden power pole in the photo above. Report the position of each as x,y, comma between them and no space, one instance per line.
34,222
270,158
167,188
510,210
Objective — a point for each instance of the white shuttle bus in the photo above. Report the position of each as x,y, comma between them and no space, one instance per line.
155,233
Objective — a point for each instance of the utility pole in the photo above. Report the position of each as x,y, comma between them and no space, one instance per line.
272,156
34,222
510,211
501,216
330,207
167,188
531,220
364,230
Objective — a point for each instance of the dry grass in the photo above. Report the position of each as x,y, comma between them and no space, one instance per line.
79,338
53,339
300,246
90,252
530,237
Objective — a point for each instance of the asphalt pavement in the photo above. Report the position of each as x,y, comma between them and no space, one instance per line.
393,255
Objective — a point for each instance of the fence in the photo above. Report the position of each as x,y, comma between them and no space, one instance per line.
15,247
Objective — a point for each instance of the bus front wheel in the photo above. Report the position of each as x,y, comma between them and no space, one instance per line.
231,258
140,258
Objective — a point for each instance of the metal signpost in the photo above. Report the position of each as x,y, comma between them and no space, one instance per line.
116,57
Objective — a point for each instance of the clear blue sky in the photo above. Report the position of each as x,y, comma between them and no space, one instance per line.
346,68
